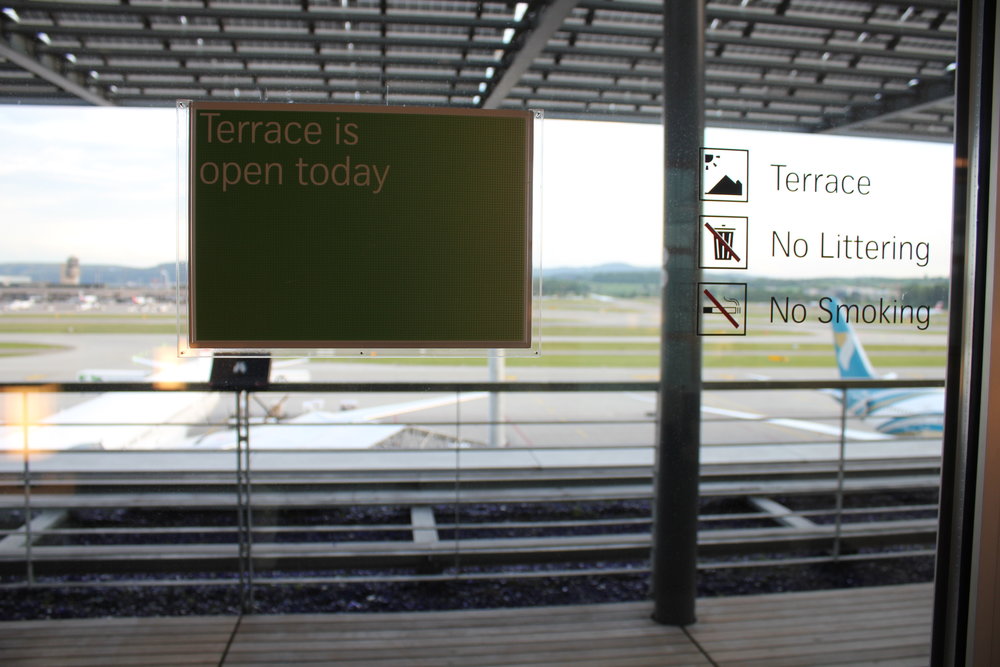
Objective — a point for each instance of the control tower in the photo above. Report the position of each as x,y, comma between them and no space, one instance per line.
70,273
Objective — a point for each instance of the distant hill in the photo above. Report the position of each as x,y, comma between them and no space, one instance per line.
613,279
98,274
117,276
626,281
586,272
620,280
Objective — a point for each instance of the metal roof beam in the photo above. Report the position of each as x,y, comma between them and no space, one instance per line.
898,29
19,51
714,37
262,13
922,96
250,61
761,68
144,36
548,23
710,7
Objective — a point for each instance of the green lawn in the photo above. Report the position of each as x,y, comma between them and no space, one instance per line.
86,327
89,323
652,361
14,349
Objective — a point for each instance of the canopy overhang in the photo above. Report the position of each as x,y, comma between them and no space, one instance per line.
880,68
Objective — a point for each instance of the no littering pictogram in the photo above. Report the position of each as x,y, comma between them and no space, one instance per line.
723,242
725,174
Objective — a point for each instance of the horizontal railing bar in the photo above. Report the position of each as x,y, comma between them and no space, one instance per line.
832,419
581,523
348,580
491,525
582,485
477,550
469,496
264,580
461,387
412,489
257,422
921,461
472,550
722,565
223,530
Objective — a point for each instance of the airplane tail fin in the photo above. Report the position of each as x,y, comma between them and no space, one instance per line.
852,362
851,358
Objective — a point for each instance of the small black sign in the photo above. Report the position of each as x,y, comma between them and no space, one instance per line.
240,373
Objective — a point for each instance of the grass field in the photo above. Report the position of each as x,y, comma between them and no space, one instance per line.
87,323
16,348
581,333
652,361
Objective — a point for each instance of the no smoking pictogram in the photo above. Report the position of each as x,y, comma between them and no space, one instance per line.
722,309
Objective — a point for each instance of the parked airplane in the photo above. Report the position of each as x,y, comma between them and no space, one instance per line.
892,411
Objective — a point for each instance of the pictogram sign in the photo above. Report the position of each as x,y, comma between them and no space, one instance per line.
722,309
723,242
725,175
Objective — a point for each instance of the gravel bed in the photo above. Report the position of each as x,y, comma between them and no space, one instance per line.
71,597
75,602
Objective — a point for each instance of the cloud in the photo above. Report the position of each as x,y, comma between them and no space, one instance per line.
98,183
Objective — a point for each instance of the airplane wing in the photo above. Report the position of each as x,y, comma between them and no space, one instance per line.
319,429
359,415
121,420
800,424
860,444
319,432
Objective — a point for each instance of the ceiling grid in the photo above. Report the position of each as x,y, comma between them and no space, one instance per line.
881,68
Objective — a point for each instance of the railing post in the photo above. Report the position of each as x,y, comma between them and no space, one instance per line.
497,437
243,502
678,436
457,516
26,461
839,503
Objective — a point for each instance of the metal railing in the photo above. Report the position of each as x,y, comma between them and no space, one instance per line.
274,540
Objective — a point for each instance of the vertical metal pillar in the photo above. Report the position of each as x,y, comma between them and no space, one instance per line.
497,435
678,433
957,636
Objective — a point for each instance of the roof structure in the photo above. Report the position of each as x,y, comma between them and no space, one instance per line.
879,67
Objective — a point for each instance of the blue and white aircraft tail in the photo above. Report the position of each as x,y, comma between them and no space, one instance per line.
892,411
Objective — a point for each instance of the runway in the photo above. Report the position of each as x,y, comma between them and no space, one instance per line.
538,419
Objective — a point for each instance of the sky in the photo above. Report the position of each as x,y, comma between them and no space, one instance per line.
101,184
97,183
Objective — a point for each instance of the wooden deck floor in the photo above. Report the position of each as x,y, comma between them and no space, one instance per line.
884,626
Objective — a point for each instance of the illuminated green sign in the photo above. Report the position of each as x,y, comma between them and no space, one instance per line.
333,226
